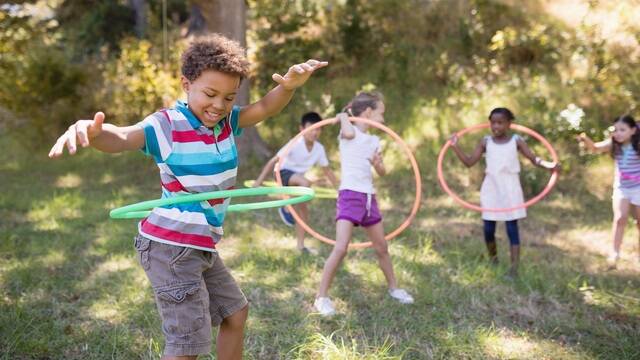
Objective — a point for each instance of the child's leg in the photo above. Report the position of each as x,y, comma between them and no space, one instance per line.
344,228
636,214
302,209
490,239
376,236
228,308
186,357
514,240
231,335
621,209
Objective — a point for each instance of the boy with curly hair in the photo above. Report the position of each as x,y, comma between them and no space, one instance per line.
193,145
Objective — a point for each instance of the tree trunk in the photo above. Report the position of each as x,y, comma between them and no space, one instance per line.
140,9
229,18
197,23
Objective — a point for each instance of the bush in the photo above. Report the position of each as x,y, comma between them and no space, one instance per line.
42,89
135,85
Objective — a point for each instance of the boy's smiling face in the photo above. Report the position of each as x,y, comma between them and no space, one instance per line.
211,96
310,136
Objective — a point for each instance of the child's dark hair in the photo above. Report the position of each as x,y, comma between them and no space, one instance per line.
362,101
214,52
635,138
502,111
310,118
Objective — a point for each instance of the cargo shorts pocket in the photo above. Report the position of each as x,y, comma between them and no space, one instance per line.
181,307
142,247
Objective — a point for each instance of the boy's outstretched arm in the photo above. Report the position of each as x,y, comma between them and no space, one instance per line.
268,167
279,97
104,137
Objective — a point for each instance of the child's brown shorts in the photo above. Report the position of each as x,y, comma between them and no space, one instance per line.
194,291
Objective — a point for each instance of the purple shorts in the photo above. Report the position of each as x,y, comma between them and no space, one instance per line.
359,208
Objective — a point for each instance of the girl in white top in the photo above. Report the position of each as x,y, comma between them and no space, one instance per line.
501,186
357,205
624,146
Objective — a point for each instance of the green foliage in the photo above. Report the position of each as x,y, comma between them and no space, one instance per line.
89,26
39,83
323,347
443,65
135,85
282,33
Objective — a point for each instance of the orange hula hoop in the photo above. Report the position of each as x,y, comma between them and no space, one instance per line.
468,205
398,139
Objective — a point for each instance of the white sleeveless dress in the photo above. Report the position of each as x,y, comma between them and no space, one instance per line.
501,186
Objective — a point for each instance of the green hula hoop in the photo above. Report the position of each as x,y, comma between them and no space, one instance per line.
143,209
321,192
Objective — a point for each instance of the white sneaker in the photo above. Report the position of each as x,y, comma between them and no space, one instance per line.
401,295
324,306
612,261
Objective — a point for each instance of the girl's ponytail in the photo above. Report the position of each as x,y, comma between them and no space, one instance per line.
347,108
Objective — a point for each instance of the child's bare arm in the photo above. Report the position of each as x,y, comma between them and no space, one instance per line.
468,160
595,147
346,128
272,103
331,176
268,167
526,151
104,137
378,164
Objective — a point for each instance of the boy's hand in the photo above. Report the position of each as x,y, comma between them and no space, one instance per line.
82,131
298,74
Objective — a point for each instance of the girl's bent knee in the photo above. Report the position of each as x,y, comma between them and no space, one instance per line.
382,250
620,221
340,251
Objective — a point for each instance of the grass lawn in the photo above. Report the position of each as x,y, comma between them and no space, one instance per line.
71,287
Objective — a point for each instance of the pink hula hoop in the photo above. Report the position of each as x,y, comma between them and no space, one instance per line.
398,139
552,180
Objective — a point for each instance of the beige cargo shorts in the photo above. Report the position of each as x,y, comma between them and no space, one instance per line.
193,290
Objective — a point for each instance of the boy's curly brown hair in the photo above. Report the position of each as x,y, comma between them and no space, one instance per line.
215,52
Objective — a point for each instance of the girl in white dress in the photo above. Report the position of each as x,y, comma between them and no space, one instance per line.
501,186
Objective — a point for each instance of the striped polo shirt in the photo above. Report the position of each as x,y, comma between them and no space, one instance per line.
192,159
627,174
